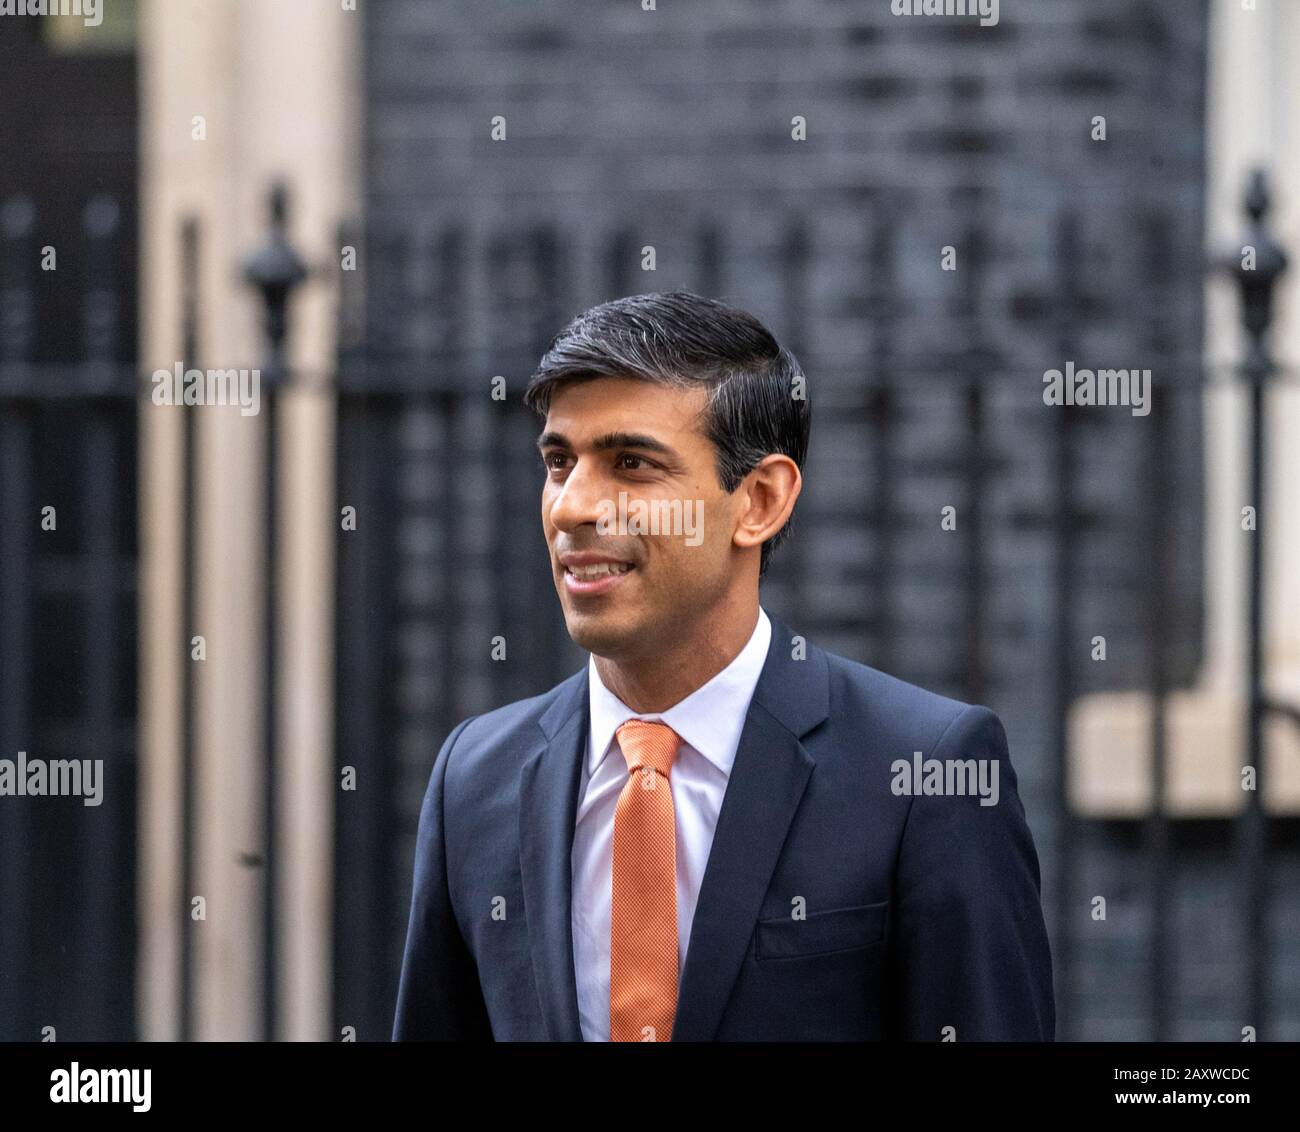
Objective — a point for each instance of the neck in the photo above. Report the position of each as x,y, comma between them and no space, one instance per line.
665,676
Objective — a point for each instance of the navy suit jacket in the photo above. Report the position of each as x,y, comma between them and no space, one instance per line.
920,912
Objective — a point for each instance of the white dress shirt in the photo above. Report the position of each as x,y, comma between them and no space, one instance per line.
709,722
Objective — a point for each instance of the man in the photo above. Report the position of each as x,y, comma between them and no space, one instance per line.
716,831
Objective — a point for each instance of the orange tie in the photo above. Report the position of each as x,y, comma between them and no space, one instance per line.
643,949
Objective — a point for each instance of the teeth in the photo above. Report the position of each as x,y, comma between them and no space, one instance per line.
599,570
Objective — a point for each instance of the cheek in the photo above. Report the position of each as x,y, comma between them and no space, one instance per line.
698,551
717,524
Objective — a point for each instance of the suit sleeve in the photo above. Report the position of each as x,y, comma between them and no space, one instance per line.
438,997
973,951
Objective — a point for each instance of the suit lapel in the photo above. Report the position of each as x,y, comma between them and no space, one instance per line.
767,781
548,807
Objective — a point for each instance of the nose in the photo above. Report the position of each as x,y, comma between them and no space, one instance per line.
578,498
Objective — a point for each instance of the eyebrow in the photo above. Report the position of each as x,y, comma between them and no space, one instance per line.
609,440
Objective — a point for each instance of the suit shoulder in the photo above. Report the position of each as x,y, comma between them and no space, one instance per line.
510,726
897,710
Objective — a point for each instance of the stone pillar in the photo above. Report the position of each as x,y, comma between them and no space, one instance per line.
277,87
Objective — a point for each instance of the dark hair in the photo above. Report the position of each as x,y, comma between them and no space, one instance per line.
680,339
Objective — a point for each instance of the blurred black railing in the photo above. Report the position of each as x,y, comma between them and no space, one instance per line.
451,550
67,622
1257,282
447,552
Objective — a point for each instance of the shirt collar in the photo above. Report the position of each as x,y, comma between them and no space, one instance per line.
710,719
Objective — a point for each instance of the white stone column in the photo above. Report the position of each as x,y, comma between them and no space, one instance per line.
277,85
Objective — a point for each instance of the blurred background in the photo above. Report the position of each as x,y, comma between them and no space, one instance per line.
266,624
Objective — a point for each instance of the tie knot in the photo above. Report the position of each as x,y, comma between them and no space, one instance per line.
649,743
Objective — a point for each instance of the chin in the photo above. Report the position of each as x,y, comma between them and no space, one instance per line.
607,636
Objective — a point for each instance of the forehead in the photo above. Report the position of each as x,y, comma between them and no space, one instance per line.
603,403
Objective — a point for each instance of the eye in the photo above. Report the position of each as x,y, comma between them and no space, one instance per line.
549,460
641,462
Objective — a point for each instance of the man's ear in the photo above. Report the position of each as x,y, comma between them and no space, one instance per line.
768,493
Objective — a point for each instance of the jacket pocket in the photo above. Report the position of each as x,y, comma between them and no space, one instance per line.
833,929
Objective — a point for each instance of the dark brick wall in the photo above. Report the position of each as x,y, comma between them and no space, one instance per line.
673,129
68,596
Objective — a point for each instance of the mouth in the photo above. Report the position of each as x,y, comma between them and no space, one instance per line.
589,578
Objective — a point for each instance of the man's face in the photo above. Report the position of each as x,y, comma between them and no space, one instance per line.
625,591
